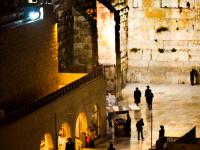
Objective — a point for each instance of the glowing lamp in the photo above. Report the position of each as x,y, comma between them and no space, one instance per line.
34,15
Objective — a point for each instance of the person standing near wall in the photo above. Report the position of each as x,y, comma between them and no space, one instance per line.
147,91
137,95
149,98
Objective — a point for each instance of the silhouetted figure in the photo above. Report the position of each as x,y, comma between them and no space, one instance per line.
147,91
69,145
162,139
193,76
161,132
137,96
111,147
128,126
110,116
188,4
139,126
149,99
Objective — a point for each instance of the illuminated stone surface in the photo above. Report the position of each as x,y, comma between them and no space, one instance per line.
176,106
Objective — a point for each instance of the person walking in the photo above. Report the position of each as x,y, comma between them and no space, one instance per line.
149,99
139,126
137,96
111,147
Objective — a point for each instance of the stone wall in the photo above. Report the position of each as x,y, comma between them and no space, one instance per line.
85,41
28,61
27,132
164,40
77,36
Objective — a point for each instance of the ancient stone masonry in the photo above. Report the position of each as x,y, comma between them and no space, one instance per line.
163,41
77,36
122,56
112,42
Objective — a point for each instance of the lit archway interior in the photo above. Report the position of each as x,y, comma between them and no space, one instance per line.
64,133
46,142
81,130
96,121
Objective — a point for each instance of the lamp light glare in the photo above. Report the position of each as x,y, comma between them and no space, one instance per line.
34,15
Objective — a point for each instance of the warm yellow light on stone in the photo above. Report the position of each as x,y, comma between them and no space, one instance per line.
55,42
67,78
106,35
154,13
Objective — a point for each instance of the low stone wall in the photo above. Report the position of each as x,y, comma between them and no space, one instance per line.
27,132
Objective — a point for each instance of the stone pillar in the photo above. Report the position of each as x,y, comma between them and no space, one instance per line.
77,36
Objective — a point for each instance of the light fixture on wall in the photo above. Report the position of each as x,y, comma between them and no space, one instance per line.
36,14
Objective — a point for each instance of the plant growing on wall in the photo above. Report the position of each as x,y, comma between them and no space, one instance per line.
173,50
161,50
161,29
134,50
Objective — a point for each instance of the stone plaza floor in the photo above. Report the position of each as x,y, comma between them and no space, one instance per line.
176,106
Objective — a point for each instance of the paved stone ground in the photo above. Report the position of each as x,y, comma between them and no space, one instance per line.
176,106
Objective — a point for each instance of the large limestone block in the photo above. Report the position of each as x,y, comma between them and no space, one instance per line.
175,44
179,35
144,44
136,13
161,66
137,63
197,3
194,55
147,24
135,56
161,57
154,13
137,3
183,3
169,3
138,75
146,55
156,3
170,56
177,77
140,35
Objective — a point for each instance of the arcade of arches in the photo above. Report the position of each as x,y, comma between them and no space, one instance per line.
82,130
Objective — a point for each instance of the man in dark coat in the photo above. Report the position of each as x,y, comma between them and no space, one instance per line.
139,126
149,98
192,76
69,145
137,96
128,126
147,91
161,132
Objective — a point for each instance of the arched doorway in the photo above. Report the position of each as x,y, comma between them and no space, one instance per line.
46,142
96,121
81,130
64,133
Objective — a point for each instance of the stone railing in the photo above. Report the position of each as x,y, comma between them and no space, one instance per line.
7,18
13,116
173,140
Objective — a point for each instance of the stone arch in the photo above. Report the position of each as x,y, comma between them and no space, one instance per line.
81,130
64,133
46,142
96,121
